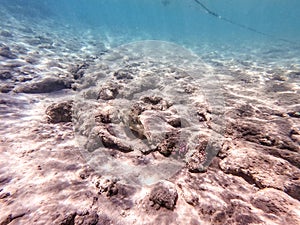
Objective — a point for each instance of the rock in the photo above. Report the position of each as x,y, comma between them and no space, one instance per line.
89,218
169,145
262,170
123,75
107,186
6,52
104,220
108,92
219,198
276,202
102,117
4,195
110,141
45,86
164,194
23,79
275,133
5,74
291,157
6,33
12,217
175,122
197,159
59,112
119,194
85,172
68,219
278,87
5,88
294,114
189,196
245,110
78,70
294,74
154,100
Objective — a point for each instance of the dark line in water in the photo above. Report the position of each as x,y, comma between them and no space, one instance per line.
212,13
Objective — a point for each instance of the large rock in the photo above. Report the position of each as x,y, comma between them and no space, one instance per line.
46,85
280,205
263,170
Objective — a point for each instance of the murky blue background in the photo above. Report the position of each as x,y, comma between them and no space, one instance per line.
170,20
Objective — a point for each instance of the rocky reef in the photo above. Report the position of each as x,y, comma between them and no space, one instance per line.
144,133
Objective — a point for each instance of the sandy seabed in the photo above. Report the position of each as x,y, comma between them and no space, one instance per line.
147,132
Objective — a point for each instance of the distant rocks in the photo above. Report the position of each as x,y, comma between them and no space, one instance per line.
59,112
78,70
5,88
85,218
6,33
164,194
123,75
5,74
49,84
294,114
6,52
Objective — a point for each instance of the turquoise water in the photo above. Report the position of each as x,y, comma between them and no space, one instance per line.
172,20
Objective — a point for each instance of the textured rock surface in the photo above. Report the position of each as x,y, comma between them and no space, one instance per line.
59,112
44,86
165,195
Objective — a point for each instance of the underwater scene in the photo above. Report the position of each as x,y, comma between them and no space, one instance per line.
116,112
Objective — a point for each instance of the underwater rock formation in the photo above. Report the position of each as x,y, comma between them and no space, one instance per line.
45,86
154,139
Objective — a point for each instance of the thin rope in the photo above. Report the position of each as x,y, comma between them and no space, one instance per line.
212,13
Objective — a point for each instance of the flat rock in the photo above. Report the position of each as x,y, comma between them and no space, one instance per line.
45,86
262,170
277,203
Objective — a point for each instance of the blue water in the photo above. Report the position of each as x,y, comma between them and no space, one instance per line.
171,20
